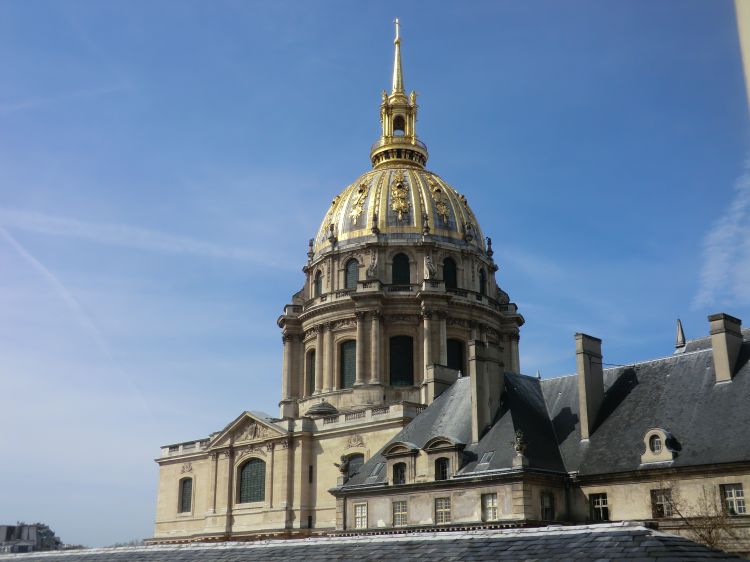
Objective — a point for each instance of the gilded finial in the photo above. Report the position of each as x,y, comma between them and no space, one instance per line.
398,78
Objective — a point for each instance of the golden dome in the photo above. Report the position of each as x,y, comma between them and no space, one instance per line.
397,203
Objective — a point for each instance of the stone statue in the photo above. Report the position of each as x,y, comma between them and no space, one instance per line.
430,269
343,466
372,269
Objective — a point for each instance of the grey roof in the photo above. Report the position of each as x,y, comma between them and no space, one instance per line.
587,542
448,416
707,421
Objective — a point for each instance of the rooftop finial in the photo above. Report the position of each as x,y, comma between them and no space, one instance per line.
398,78
680,340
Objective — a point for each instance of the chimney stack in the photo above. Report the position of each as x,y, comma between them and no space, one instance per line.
590,381
726,341
487,374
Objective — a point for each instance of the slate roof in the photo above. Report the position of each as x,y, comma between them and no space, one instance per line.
708,421
617,541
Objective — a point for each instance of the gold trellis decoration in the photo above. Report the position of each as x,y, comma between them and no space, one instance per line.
399,202
439,198
359,202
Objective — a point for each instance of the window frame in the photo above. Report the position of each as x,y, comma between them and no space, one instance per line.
408,379
442,469
353,344
181,497
351,276
360,521
490,510
317,284
399,276
310,358
400,513
442,510
733,503
402,468
546,510
655,444
661,503
244,495
453,269
599,506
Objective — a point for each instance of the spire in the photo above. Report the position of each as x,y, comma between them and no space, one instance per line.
680,340
398,78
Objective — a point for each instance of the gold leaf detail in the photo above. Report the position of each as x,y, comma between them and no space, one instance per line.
399,202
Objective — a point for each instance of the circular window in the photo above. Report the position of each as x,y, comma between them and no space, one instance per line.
654,444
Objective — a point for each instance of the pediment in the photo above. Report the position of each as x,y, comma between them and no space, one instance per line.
400,448
247,428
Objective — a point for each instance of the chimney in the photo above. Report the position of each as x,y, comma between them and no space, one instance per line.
487,374
590,381
726,341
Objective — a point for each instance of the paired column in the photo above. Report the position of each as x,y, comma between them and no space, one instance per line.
375,348
360,349
329,363
319,355
427,335
286,368
443,338
515,363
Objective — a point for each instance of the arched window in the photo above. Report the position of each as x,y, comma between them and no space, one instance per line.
399,126
253,481
655,444
186,495
449,273
456,355
402,361
318,284
355,463
482,282
348,363
351,275
401,274
310,371
442,466
399,473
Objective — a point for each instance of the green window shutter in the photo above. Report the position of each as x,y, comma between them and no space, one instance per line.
186,495
348,363
402,361
352,274
253,481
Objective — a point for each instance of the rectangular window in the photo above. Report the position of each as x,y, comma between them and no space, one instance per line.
360,516
484,462
400,515
599,507
548,506
734,499
442,510
661,503
489,507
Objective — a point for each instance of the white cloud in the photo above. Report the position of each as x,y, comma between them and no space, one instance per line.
726,252
129,236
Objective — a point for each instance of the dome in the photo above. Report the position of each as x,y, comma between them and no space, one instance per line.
399,203
323,408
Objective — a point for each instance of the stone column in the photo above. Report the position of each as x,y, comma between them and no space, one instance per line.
443,339
427,334
230,489
514,361
360,349
286,367
329,360
375,349
319,354
213,458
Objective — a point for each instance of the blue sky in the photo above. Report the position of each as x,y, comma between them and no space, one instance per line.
163,164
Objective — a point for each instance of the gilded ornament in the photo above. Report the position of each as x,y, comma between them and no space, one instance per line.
399,202
439,197
359,202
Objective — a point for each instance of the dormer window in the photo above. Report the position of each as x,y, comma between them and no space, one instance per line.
399,473
654,443
442,467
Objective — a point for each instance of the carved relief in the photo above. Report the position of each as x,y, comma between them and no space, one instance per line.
359,202
252,431
399,202
372,269
345,323
255,449
355,441
187,467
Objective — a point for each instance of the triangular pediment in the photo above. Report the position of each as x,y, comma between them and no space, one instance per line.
247,428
